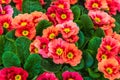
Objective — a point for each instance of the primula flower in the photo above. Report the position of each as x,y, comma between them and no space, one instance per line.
22,20
43,47
51,13
110,68
47,76
99,17
112,7
18,4
101,55
71,76
5,22
38,16
110,45
68,29
96,4
50,33
57,49
13,73
72,55
72,39
40,45
6,10
61,4
42,2
116,36
1,30
28,31
5,1
64,15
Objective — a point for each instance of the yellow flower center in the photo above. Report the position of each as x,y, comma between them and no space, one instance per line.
5,25
3,12
25,32
61,6
70,79
63,16
52,36
59,51
3,1
109,70
97,19
23,24
53,15
108,47
43,46
70,55
67,30
35,50
18,77
104,56
95,5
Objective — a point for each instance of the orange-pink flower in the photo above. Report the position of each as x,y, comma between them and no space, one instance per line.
5,22
5,1
68,29
18,4
64,15
110,68
57,50
96,4
50,33
110,45
72,55
22,20
28,31
72,39
38,16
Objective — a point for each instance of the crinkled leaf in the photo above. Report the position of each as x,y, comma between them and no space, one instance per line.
10,35
99,33
41,26
88,58
117,27
79,66
2,42
10,59
76,11
87,78
23,44
29,6
32,65
93,74
16,12
48,65
81,39
94,43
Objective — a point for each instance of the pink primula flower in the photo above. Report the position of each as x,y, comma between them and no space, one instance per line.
47,76
71,76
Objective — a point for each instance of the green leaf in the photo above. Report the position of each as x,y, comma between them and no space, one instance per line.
93,74
94,43
48,2
76,11
81,39
2,42
79,23
87,78
32,65
42,25
88,26
99,33
10,35
23,44
117,17
87,22
48,65
29,6
117,27
16,12
88,58
10,59
79,66
10,46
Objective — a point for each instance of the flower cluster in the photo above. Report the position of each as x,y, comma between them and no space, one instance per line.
108,57
61,50
59,12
